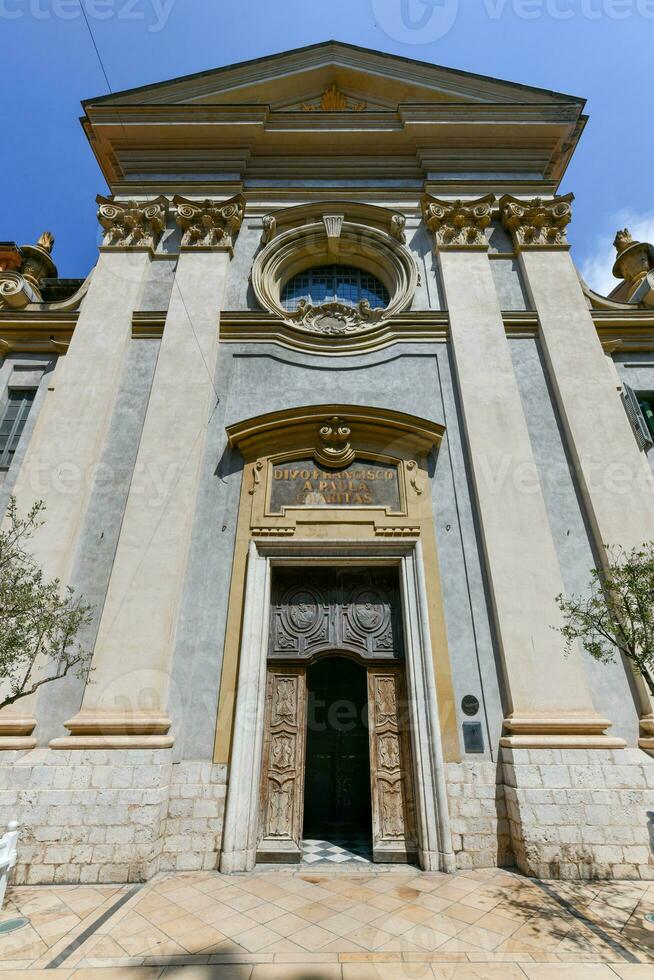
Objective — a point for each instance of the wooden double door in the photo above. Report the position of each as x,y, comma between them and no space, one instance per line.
336,759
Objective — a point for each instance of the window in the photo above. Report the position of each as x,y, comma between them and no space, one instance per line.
646,402
17,408
334,283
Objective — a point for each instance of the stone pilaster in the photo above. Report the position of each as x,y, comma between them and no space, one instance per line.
615,480
126,705
549,700
68,438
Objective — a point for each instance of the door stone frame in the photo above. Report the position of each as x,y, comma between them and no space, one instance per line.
240,829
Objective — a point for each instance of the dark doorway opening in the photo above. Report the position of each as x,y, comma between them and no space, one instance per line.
337,768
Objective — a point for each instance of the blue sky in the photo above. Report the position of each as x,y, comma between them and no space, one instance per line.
598,49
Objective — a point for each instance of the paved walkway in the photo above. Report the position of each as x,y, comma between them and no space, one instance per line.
325,923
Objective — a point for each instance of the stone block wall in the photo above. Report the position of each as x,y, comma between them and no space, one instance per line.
118,815
194,822
478,818
110,816
576,813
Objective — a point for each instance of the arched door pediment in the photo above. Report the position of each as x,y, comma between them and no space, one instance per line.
329,464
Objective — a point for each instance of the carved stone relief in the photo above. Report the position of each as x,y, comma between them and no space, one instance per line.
318,610
458,223
132,224
334,318
537,222
209,224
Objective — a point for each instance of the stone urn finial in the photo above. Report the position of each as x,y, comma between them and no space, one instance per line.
633,260
623,239
38,264
634,263
46,241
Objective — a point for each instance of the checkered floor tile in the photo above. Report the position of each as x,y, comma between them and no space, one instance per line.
338,850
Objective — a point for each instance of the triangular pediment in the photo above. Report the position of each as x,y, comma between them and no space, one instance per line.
261,122
294,79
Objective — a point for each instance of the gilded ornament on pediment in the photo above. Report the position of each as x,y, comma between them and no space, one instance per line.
333,100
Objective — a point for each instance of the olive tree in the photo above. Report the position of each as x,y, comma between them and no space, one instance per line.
617,613
39,619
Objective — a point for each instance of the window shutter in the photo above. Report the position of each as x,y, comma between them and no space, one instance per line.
637,419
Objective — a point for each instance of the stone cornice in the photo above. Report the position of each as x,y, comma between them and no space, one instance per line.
263,328
437,138
148,325
36,332
50,332
458,224
537,223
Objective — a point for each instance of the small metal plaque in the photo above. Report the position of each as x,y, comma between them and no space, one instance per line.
469,705
473,739
301,483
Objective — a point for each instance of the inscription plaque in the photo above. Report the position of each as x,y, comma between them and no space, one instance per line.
473,739
301,483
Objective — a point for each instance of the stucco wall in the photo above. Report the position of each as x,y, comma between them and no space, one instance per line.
609,683
253,380
102,524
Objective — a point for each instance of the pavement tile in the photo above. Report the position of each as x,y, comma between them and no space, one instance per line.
387,971
315,912
233,971
478,920
297,971
477,971
580,971
313,937
632,971
369,937
258,938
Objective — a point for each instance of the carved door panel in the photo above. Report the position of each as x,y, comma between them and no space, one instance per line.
391,774
282,784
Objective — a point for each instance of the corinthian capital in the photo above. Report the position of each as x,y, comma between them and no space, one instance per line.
537,223
458,224
132,224
209,224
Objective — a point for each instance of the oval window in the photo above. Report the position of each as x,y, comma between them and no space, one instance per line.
334,284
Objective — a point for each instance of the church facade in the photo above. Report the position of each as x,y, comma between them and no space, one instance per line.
321,437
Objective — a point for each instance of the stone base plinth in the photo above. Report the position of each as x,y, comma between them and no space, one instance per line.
110,816
478,819
580,813
121,815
